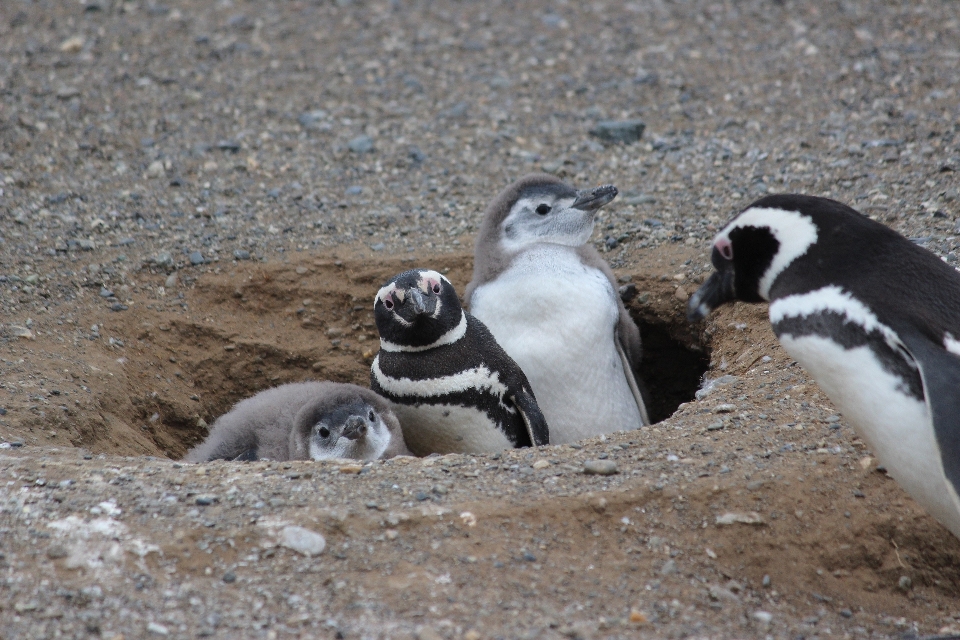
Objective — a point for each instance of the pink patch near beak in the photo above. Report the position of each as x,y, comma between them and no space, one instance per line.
725,247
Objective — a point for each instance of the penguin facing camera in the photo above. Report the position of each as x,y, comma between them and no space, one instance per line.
872,316
305,421
453,388
552,303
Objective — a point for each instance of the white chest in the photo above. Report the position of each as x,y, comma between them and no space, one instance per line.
896,426
556,318
443,428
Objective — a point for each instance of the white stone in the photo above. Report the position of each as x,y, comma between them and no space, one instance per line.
305,541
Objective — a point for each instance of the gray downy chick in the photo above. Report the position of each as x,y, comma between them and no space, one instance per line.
305,421
552,303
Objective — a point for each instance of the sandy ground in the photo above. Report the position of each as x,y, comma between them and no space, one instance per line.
189,213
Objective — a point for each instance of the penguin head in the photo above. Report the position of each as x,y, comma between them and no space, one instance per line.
351,429
416,309
754,249
541,208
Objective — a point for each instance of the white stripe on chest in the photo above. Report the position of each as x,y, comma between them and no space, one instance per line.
556,318
479,378
448,338
832,298
443,428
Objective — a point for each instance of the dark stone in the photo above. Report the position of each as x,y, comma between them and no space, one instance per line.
625,131
361,144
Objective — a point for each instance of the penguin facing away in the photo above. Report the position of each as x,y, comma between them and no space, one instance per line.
453,388
552,303
304,421
872,316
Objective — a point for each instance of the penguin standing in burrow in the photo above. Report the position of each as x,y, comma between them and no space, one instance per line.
551,302
453,387
305,421
872,316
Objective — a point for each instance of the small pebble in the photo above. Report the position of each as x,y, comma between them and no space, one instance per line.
361,144
600,467
763,617
305,541
625,131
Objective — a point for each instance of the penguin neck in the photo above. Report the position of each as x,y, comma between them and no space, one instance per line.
449,337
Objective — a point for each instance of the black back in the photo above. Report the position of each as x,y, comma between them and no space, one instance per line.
906,286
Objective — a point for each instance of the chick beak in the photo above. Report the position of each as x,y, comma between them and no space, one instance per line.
354,429
593,199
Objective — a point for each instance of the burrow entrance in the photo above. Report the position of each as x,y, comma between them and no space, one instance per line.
673,368
187,360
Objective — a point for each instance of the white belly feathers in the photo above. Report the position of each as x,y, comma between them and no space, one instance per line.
895,425
441,428
556,318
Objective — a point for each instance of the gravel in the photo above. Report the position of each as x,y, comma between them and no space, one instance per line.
158,152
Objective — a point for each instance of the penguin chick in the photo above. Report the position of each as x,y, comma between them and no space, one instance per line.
305,421
552,303
872,316
453,388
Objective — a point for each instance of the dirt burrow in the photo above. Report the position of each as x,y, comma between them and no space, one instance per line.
834,535
167,367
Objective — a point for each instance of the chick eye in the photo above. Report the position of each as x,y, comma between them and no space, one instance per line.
324,432
388,303
436,288
543,209
371,417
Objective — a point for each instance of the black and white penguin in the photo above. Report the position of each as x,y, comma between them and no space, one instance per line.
304,421
872,316
551,302
453,387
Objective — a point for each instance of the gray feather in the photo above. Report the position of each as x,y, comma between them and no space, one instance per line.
275,423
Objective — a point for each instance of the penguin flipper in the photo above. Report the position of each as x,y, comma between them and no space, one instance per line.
940,373
632,381
533,418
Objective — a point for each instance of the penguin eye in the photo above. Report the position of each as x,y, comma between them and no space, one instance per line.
543,209
371,417
436,288
388,303
324,432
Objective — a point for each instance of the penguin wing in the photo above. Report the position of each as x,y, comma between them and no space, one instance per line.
630,369
940,373
626,335
525,402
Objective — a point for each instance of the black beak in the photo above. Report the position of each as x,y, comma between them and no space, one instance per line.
717,290
416,299
354,429
593,199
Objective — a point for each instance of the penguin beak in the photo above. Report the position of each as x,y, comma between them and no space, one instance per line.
354,429
717,290
419,304
593,199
